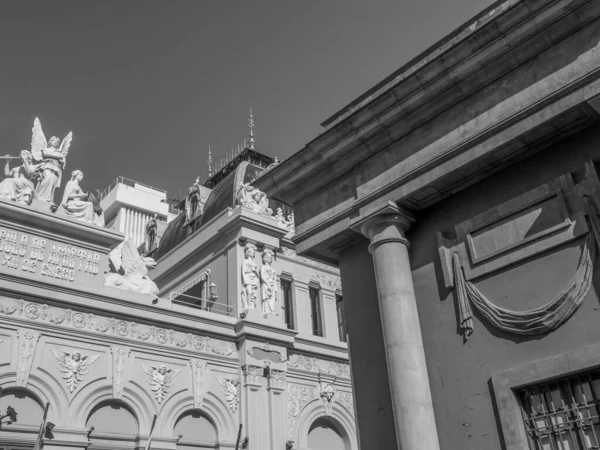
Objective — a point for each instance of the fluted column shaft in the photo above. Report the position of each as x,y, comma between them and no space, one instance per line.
407,369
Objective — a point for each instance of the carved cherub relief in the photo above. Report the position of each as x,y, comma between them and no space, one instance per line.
160,379
73,366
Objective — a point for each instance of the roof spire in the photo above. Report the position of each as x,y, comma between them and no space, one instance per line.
209,161
251,129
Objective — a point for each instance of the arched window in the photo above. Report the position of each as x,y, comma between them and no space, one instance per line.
196,431
324,434
29,414
114,426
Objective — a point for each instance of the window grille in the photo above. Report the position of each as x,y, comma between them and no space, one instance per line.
563,414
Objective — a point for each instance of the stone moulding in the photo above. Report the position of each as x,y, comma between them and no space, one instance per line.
120,356
89,322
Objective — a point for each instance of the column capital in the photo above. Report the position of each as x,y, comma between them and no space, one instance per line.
388,224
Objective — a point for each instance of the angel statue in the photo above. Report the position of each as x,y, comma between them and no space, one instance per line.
52,154
76,203
73,366
160,379
19,184
253,198
129,271
230,388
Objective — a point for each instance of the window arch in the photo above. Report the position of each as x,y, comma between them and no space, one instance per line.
196,430
114,425
326,434
28,408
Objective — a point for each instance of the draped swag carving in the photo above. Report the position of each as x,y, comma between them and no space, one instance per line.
550,316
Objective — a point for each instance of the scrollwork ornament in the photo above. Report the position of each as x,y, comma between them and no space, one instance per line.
199,374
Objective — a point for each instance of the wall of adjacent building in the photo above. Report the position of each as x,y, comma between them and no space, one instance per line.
460,371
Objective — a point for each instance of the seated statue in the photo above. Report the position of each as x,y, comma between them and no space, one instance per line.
19,186
76,203
129,271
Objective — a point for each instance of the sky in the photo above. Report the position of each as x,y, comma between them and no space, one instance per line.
146,86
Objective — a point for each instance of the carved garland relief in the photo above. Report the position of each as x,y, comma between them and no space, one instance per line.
120,356
200,370
90,322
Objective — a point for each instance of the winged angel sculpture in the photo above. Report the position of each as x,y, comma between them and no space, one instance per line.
52,155
129,271
160,379
73,366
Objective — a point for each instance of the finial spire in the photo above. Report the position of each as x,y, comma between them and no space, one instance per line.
251,129
209,161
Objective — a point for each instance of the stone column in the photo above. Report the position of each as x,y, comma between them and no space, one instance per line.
407,370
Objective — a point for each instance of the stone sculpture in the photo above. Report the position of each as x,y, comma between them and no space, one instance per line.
268,280
73,366
285,223
160,379
129,271
19,184
254,199
52,156
151,229
76,203
327,393
250,278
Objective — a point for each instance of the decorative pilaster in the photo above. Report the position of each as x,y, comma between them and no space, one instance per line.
276,385
253,376
28,340
199,374
407,369
120,355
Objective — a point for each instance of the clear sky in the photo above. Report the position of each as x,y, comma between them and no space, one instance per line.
146,86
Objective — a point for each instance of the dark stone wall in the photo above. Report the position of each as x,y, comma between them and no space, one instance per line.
460,371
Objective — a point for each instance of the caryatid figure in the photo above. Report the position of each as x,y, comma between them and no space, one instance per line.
250,278
268,279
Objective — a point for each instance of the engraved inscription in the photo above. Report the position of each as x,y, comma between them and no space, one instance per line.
21,252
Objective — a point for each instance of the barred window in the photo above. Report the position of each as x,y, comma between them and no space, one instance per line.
563,414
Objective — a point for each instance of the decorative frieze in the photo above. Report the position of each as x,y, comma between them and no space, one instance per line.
160,379
28,340
230,387
346,399
100,324
311,364
120,355
291,253
73,366
199,374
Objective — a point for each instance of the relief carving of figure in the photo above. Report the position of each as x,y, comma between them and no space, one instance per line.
52,154
268,281
160,379
250,278
76,203
19,184
73,366
129,271
253,198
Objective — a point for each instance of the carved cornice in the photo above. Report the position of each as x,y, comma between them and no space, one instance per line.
291,253
66,318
